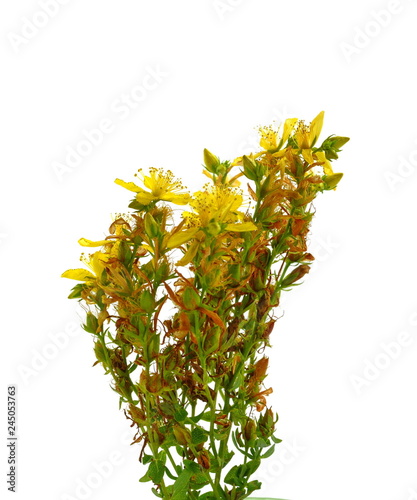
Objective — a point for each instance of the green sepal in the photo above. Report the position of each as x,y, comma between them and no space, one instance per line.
76,291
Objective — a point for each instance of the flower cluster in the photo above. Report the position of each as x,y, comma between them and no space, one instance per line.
181,311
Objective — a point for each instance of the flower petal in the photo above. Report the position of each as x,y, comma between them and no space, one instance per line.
131,186
88,243
315,128
189,254
244,226
145,197
78,274
307,155
327,166
288,128
181,237
178,199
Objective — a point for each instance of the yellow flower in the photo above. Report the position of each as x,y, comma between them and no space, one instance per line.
217,204
96,262
306,136
162,186
88,243
327,166
272,140
111,245
78,274
179,238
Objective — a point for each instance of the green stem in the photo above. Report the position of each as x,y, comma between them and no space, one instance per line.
224,443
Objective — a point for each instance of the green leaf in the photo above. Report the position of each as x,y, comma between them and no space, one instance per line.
191,466
253,485
156,471
269,452
170,474
146,459
157,493
208,496
261,443
251,467
205,415
227,457
198,481
136,205
198,435
237,380
162,456
181,485
231,476
181,414
76,291
237,474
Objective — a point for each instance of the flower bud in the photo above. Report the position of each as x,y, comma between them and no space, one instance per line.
214,228
331,181
91,324
266,423
210,161
249,168
137,414
182,435
338,141
151,226
99,352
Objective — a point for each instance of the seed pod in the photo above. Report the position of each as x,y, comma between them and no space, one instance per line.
266,423
137,414
295,275
204,459
249,431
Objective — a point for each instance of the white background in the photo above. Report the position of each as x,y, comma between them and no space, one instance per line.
348,428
